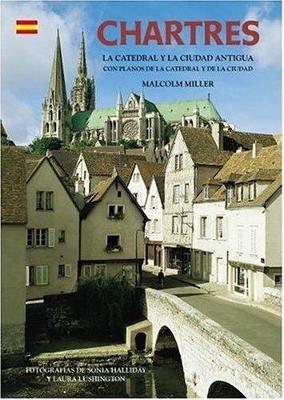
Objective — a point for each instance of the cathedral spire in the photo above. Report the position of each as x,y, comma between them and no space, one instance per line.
83,90
82,68
57,88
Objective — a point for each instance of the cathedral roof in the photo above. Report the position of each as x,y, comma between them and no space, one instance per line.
172,112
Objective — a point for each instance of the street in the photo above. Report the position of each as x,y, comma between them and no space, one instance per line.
260,328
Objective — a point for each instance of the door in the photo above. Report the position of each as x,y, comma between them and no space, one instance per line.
221,271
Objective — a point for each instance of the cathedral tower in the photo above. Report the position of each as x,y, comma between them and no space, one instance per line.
56,110
83,91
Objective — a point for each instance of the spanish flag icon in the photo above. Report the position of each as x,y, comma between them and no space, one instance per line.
27,26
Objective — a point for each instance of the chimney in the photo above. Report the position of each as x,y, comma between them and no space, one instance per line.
79,187
239,149
256,147
217,133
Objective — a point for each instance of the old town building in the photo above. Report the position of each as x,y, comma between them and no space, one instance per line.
112,232
52,234
13,254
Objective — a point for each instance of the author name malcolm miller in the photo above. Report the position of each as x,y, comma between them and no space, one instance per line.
175,83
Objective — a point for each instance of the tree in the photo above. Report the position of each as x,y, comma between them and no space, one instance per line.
129,144
40,145
83,144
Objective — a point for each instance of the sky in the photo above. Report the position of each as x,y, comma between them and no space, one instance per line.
251,101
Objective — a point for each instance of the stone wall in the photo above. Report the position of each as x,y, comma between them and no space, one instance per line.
272,296
210,353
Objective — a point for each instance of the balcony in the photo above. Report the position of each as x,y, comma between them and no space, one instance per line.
113,249
117,216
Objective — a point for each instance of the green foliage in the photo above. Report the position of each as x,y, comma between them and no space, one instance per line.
129,144
106,306
83,144
40,145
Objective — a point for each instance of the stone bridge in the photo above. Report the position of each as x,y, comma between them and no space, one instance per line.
210,354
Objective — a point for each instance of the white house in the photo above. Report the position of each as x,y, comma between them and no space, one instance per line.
210,234
141,177
252,185
154,228
93,167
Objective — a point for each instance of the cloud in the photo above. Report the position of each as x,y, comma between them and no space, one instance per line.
268,51
27,59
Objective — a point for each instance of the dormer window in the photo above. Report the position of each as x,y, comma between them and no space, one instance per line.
230,193
252,191
239,193
206,192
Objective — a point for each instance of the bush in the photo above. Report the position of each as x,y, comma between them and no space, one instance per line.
107,306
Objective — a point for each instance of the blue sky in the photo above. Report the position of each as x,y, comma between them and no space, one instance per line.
249,100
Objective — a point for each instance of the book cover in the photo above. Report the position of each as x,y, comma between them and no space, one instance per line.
141,199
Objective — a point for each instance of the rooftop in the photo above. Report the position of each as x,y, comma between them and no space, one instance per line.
148,169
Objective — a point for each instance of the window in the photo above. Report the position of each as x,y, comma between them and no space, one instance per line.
97,270
178,162
64,271
119,193
278,279
241,281
136,177
113,243
239,193
184,224
252,190
41,237
186,193
39,200
135,196
219,228
206,192
61,237
175,229
37,275
30,237
154,224
230,194
44,200
176,194
149,128
115,212
153,201
253,239
203,227
85,174
127,272
49,201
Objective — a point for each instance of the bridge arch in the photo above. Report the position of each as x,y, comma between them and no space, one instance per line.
209,353
224,390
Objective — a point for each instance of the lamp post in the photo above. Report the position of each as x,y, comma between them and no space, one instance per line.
136,257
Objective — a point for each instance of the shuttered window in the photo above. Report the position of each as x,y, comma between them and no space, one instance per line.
41,275
51,237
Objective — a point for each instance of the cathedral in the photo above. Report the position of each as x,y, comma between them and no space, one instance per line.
137,119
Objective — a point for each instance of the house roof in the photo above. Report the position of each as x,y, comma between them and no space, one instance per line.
160,182
242,168
218,195
264,196
239,164
148,169
171,112
103,163
202,147
32,161
101,189
13,188
64,179
66,159
108,149
247,139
